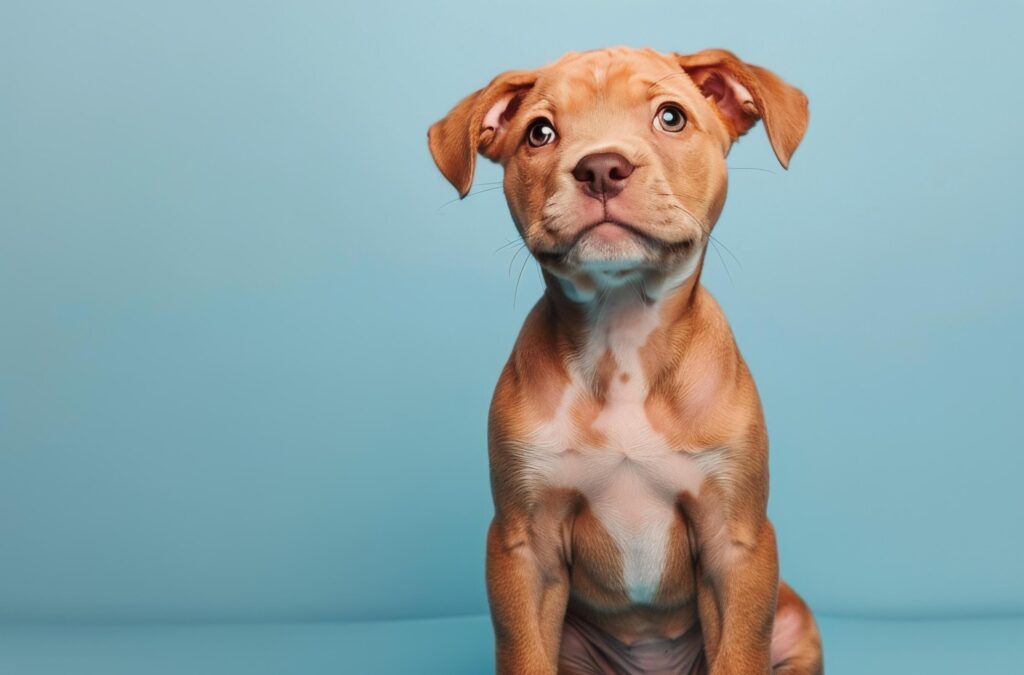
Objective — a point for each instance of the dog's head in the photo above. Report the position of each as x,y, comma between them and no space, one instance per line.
615,159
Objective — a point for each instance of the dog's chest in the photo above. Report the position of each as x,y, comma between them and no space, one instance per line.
622,466
631,481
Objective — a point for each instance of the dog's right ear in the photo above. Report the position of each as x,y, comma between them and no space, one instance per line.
476,124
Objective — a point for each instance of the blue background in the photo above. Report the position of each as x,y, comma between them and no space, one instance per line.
247,341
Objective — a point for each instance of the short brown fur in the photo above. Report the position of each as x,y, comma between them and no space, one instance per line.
547,551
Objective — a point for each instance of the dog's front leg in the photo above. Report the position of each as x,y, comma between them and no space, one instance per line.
738,580
528,590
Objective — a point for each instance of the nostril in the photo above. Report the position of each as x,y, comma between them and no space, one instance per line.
584,173
619,167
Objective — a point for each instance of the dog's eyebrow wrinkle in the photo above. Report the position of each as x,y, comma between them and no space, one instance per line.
547,102
662,79
660,91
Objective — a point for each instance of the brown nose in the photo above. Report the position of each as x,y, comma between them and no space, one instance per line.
603,174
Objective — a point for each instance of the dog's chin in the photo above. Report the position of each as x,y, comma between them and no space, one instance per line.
603,254
618,250
608,244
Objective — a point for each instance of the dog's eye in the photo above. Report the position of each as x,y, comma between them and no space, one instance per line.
540,132
671,118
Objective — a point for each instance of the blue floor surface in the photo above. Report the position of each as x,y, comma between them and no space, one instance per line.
454,646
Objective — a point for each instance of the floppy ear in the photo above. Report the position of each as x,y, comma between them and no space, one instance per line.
744,93
476,124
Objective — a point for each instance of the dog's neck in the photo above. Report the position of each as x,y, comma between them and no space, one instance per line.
638,328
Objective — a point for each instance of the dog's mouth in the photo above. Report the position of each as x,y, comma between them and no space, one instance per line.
610,230
612,238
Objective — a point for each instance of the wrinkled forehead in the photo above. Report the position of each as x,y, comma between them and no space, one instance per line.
610,77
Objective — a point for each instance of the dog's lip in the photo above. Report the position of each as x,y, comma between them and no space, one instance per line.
651,240
632,229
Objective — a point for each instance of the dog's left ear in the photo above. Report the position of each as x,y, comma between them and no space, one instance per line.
745,93
476,124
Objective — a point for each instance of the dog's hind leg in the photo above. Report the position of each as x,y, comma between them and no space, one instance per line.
796,642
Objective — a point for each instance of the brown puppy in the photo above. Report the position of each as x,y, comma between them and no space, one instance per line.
629,458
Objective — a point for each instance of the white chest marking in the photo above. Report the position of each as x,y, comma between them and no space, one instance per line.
632,480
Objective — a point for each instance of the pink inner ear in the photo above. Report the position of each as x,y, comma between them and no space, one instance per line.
732,98
495,117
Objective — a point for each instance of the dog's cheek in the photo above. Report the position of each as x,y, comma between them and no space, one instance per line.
700,179
516,190
716,187
526,184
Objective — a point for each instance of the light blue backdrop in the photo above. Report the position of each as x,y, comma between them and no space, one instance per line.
247,342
